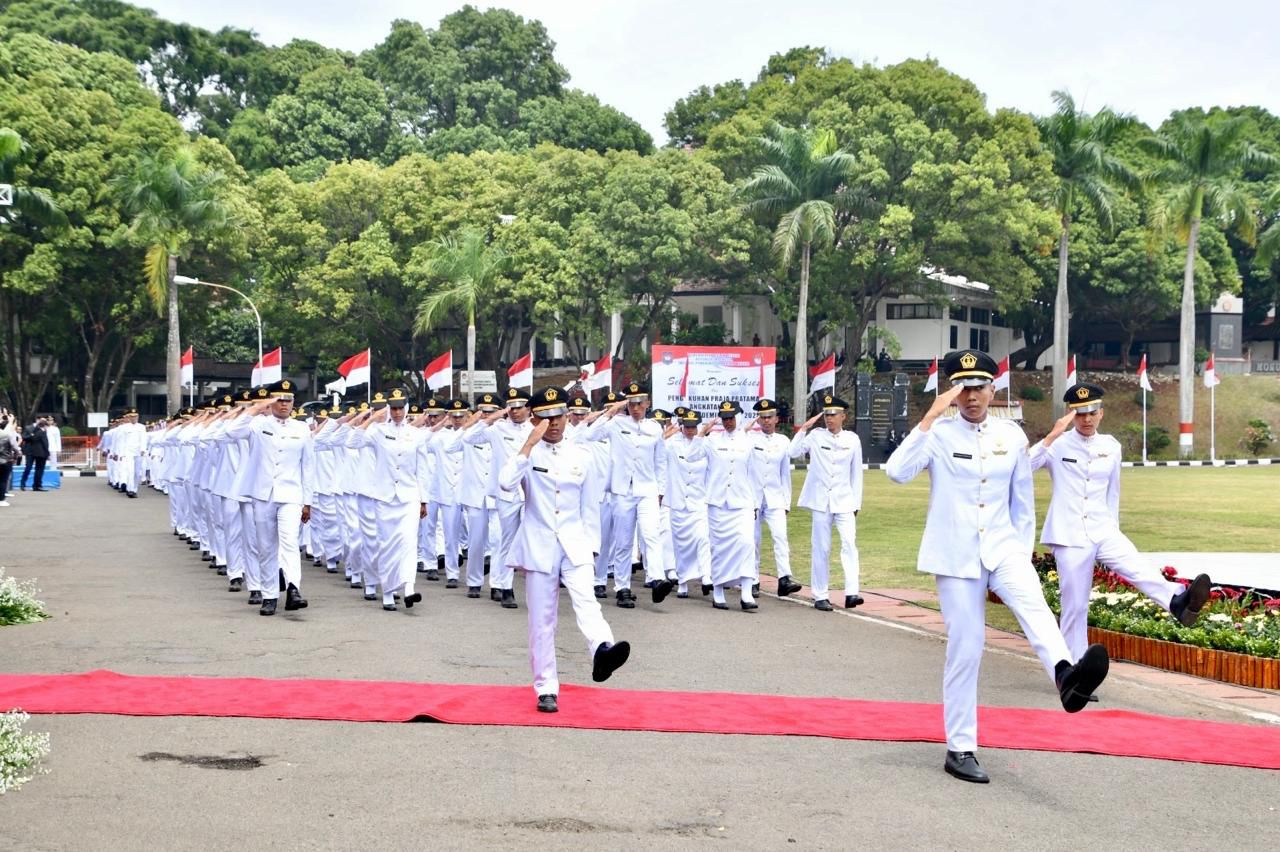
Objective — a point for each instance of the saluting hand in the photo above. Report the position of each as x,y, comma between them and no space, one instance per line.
941,404
539,429
669,431
811,422
1059,427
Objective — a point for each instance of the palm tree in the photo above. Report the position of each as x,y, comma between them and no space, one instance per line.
173,201
1199,168
464,268
1269,239
802,183
1086,172
28,203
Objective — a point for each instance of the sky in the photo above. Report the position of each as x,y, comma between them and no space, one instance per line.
1137,56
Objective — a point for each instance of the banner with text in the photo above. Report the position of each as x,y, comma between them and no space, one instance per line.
702,377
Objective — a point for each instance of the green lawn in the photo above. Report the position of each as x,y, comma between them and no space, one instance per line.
1161,509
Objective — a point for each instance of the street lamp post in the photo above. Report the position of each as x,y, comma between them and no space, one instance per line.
183,280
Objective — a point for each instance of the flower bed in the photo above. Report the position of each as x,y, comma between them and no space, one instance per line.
18,602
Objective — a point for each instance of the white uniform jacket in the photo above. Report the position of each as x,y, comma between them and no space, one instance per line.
280,465
1085,506
504,439
981,503
728,455
771,469
394,475
446,445
562,506
638,463
686,474
833,482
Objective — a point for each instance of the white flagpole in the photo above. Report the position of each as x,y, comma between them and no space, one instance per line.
1144,425
368,386
531,364
1213,443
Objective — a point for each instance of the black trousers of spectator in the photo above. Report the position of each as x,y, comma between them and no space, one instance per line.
6,470
26,469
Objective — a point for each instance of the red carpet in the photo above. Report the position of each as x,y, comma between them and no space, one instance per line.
1113,732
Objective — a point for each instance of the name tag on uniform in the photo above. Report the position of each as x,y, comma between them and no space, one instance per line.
758,449
507,438
824,446
962,456
541,470
1069,461
624,431
391,437
265,432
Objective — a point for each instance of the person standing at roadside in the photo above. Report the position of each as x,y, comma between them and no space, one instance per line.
35,447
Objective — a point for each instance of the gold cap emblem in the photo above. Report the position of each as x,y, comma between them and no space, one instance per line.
553,394
1082,393
968,360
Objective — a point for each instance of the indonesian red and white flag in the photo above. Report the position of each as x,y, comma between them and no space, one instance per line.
520,374
1001,381
931,383
601,374
1071,371
823,375
439,373
268,369
1144,381
355,370
1210,374
188,371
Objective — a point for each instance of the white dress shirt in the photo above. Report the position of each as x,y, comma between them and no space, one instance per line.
562,506
638,463
1085,506
394,475
686,473
728,456
771,470
280,466
833,480
504,439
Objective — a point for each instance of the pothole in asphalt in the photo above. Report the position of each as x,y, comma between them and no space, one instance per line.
206,761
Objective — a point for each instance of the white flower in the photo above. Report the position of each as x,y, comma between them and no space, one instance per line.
20,753
1221,618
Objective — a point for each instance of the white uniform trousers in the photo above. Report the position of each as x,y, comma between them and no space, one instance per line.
733,557
1075,581
964,609
326,539
542,597
249,543
604,553
367,511
502,575
277,525
477,543
776,518
127,471
176,496
139,470
349,524
201,506
820,552
632,514
232,537
189,510
397,560
691,542
668,542
451,517
430,537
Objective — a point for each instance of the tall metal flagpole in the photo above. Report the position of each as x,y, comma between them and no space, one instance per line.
368,386
1144,425
1213,442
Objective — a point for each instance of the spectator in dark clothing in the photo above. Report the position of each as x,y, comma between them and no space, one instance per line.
10,454
35,446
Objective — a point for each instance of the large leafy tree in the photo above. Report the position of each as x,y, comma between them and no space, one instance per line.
1086,172
1198,172
803,180
28,204
173,200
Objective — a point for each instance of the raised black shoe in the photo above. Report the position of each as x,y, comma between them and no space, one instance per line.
1186,604
371,596
787,586
547,704
601,592
451,583
964,765
268,607
422,567
255,599
625,599
410,600
237,585
755,588
661,589
850,601
293,599
749,606
608,659
493,594
473,591
433,575
706,589
389,607
824,605
719,605
509,599
1076,683
439,563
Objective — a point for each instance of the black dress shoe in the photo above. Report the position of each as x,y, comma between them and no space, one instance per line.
473,591
661,589
626,600
451,583
195,545
293,599
493,594
601,592
422,567
283,584
786,586
433,575
133,495
237,585
682,594
331,568
850,601
439,563
371,596
1076,683
608,659
509,599
706,589
963,765
749,606
824,605
486,565
389,607
410,600
205,556
1186,604
317,562
268,607
547,704
718,605
222,570
755,589
255,598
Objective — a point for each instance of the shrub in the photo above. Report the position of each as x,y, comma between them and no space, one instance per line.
1157,439
1144,400
20,753
1031,392
68,431
18,603
1257,436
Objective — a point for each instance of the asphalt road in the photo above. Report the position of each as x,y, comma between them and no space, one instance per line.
128,596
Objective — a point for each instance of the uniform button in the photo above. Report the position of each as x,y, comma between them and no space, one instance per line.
983,480
982,529
982,505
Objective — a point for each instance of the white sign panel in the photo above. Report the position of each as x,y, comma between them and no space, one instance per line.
99,419
702,377
486,381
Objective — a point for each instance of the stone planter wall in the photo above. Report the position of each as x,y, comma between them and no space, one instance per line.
1225,666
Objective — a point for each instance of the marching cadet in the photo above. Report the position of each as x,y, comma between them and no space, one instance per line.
430,530
555,542
280,469
637,472
504,431
687,500
1083,522
329,443
771,469
731,505
326,528
979,535
664,419
225,506
587,427
400,494
832,492
447,446
128,447
473,495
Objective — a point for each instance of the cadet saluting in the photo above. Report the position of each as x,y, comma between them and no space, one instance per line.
978,535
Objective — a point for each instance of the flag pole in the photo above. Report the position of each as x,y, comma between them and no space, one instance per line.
1213,444
368,386
935,377
1144,425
